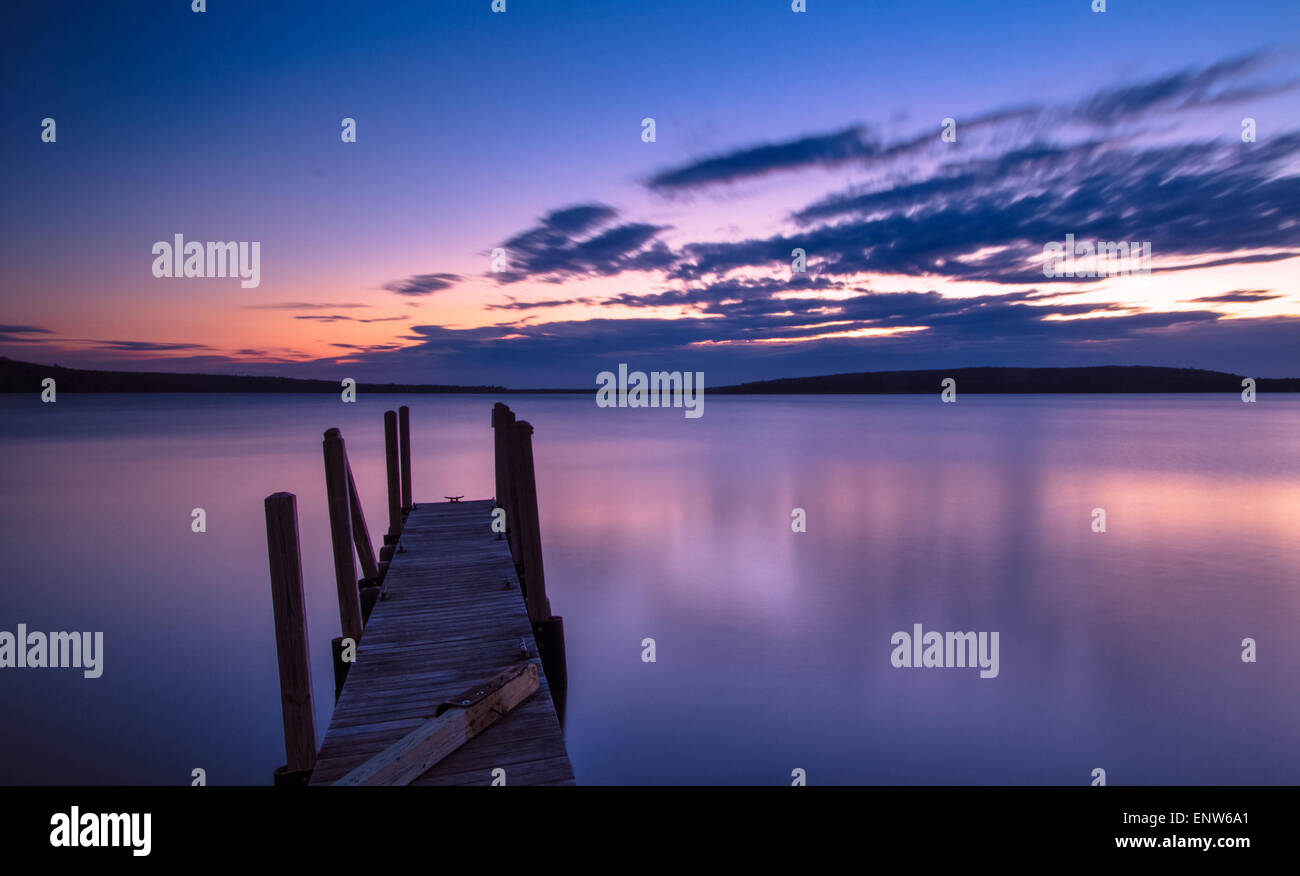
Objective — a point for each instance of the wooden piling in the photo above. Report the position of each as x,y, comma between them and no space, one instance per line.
341,666
345,570
404,448
547,629
501,420
291,644
508,476
369,596
549,635
394,477
530,536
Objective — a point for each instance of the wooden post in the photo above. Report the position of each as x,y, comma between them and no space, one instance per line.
345,570
501,419
530,536
291,646
548,630
404,445
360,533
549,635
394,477
369,596
341,666
508,476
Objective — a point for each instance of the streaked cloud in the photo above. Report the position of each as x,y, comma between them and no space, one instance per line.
423,284
1238,297
302,305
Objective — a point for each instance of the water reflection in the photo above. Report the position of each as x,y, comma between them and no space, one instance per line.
1119,650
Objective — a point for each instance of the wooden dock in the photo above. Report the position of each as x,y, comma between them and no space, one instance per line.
445,683
452,615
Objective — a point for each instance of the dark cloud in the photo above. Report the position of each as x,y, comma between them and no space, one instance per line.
1240,296
1026,164
302,305
512,304
423,284
965,124
338,317
760,316
1186,89
749,310
368,348
17,334
982,214
822,149
1187,199
818,150
146,346
567,243
1190,199
1248,259
991,330
579,218
729,294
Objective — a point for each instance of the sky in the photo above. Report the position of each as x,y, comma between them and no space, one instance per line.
522,132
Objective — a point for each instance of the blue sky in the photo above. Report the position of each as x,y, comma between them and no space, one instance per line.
522,131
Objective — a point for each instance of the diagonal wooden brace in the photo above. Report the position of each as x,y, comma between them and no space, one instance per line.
455,722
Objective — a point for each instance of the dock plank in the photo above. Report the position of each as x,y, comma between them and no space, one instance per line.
452,616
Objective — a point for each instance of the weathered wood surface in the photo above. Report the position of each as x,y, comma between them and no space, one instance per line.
455,723
449,621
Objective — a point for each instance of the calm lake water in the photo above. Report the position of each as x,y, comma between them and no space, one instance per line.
1119,650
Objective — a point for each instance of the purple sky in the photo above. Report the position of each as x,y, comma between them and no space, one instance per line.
774,130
